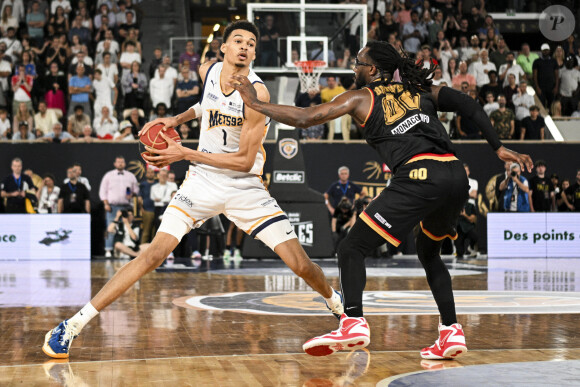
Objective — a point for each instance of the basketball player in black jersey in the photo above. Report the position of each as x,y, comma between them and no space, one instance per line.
429,185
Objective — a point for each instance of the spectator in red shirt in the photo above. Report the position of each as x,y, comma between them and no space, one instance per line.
21,87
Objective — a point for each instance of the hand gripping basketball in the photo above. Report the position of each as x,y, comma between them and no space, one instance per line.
161,149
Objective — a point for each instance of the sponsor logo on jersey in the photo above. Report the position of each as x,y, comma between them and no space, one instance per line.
183,199
382,220
269,201
217,118
235,107
410,123
290,177
288,147
212,96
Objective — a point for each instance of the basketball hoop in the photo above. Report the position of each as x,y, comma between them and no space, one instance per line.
309,72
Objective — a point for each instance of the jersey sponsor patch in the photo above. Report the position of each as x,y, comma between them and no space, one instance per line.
410,122
217,118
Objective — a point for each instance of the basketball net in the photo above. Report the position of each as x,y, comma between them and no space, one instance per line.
309,72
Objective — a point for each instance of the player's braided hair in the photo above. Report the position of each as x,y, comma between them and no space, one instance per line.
388,60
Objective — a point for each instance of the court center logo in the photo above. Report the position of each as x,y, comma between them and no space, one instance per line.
388,303
288,147
557,23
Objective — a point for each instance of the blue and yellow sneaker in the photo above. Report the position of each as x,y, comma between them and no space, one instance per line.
58,341
336,308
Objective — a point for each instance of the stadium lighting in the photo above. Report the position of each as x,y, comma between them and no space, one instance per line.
216,27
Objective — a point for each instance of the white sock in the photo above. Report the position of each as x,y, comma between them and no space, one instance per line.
82,318
334,298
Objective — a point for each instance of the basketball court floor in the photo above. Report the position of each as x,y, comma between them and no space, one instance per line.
245,326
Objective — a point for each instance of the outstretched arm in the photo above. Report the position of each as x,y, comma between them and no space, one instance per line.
350,102
450,100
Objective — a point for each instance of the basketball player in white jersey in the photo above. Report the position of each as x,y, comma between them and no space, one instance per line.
224,178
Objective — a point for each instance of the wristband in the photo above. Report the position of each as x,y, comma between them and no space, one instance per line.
197,109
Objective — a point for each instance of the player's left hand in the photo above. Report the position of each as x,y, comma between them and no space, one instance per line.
246,89
173,153
523,160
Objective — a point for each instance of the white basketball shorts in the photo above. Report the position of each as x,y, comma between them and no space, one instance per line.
244,200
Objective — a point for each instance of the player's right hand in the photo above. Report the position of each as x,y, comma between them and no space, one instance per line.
169,122
522,159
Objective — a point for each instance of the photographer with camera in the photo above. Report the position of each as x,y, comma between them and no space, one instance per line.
343,219
126,234
517,189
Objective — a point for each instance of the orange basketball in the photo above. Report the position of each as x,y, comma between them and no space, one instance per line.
153,137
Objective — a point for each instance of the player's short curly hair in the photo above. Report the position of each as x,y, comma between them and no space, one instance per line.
241,25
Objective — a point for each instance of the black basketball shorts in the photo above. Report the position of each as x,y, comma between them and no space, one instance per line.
429,189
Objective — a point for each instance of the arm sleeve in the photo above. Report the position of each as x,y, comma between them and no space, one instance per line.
450,100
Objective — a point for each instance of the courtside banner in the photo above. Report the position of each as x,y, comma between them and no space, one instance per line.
45,236
540,234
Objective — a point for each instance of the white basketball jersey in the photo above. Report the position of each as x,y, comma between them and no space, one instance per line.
222,120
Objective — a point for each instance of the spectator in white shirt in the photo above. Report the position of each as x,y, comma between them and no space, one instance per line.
5,125
125,132
510,67
104,90
48,196
170,72
480,68
114,46
105,125
161,194
128,57
108,69
490,105
569,81
44,120
65,4
13,45
522,101
100,57
161,88
473,185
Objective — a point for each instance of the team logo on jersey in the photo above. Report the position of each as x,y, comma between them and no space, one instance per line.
216,118
288,147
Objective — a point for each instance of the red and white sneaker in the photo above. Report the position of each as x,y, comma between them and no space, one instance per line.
353,333
449,345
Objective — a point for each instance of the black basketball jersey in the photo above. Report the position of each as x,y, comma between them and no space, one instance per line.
401,125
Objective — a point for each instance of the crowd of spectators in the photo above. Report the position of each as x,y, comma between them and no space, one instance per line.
513,84
74,71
